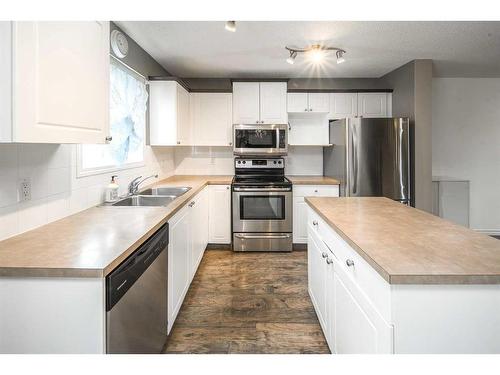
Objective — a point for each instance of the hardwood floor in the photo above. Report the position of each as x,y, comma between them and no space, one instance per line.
248,303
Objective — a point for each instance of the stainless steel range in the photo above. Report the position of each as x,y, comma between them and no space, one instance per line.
262,205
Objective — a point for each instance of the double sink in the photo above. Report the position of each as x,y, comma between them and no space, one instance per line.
153,197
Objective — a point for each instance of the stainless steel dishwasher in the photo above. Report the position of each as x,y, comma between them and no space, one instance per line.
136,299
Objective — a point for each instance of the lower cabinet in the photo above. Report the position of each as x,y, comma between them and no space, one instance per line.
300,206
188,232
219,214
350,321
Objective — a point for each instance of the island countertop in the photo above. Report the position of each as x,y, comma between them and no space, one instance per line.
93,242
409,246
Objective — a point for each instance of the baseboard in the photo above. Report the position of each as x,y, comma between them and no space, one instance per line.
219,246
489,232
299,246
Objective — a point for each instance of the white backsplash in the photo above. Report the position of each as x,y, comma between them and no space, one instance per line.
301,160
56,192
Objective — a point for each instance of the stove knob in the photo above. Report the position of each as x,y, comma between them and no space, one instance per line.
279,161
274,162
239,161
244,162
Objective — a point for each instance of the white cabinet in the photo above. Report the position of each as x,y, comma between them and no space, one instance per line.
179,249
300,207
308,102
317,277
55,82
169,114
374,104
188,238
259,103
199,223
211,119
220,214
343,105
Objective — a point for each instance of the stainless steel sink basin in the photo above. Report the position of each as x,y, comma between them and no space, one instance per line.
148,200
175,191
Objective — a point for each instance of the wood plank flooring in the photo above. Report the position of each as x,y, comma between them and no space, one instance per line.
248,303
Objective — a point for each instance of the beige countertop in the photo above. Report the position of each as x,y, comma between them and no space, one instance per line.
408,246
313,180
93,242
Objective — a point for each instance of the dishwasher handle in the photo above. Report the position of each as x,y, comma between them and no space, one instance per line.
121,279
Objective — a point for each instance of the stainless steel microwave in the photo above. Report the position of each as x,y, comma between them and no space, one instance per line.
262,139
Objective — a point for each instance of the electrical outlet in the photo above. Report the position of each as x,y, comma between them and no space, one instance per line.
24,189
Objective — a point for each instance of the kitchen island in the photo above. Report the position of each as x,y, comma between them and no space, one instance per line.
387,278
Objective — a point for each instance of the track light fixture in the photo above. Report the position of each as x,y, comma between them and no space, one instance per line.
230,26
316,52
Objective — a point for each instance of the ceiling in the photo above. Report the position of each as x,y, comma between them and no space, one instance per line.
256,49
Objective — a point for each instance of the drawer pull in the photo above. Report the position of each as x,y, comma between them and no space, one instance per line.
324,255
349,262
316,190
315,222
329,261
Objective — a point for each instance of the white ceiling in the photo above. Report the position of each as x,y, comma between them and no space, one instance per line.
256,49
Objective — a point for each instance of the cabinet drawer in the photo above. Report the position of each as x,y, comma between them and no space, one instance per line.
316,191
360,272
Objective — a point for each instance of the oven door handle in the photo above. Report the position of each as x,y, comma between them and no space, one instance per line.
261,189
265,236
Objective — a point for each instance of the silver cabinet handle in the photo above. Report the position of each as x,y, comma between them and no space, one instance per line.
230,143
108,139
315,222
324,255
178,142
315,190
349,262
305,109
329,261
191,204
227,187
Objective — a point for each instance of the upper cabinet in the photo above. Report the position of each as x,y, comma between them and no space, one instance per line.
211,119
169,114
308,102
374,104
259,103
343,105
57,76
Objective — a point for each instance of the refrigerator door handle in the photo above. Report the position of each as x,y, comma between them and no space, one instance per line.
354,161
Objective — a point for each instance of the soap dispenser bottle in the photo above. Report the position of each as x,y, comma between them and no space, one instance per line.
112,190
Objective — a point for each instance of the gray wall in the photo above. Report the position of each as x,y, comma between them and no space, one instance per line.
412,97
140,60
224,84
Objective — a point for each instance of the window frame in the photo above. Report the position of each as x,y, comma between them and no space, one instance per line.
84,172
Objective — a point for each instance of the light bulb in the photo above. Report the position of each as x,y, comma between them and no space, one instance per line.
291,58
340,57
316,54
230,26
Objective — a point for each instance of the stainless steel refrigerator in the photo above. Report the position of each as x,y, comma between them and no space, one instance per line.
370,157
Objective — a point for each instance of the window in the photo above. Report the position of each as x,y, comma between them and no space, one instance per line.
128,107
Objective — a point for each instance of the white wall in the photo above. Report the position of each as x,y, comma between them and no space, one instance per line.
466,142
56,191
301,160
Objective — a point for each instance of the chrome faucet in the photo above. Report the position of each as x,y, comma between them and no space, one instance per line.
133,187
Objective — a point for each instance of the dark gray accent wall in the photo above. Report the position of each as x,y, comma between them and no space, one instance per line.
138,59
411,97
314,84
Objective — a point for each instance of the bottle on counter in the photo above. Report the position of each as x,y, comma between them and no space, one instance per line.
112,190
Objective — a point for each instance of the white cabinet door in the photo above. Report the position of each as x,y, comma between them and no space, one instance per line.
183,118
317,271
354,332
179,249
220,214
212,119
343,105
297,102
299,220
61,82
273,103
199,224
319,102
246,103
373,105
330,303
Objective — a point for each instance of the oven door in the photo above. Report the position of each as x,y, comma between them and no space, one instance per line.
262,210
261,139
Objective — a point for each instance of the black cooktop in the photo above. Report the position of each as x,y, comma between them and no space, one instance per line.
261,180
